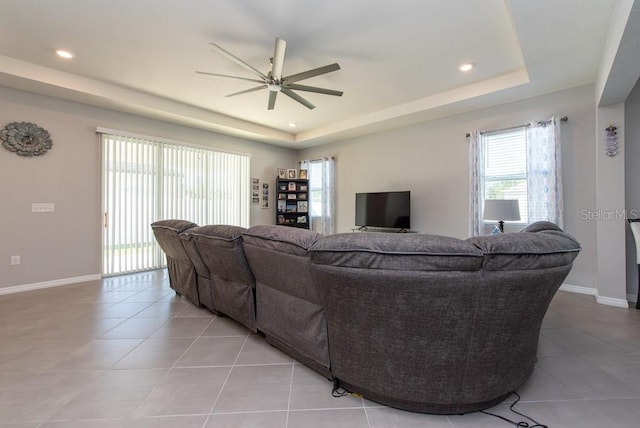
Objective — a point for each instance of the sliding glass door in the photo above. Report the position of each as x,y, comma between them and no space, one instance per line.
144,181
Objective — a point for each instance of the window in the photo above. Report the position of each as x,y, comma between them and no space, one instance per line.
522,163
322,179
505,167
144,181
315,188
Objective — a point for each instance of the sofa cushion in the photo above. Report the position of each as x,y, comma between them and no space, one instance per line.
396,251
222,232
545,248
281,238
174,225
539,226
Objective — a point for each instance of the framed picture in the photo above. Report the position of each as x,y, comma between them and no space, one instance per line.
282,205
302,196
303,187
282,173
292,187
302,206
291,196
292,174
283,187
255,190
280,219
302,219
282,196
265,195
303,174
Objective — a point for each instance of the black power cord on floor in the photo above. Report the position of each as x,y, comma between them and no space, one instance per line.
522,424
339,391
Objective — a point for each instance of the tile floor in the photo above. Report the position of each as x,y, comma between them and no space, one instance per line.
126,352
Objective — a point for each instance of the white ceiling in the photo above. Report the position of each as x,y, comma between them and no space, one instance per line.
399,60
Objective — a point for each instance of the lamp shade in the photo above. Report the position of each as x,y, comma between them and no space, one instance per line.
501,210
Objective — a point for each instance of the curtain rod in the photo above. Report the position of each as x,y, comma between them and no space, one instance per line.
540,122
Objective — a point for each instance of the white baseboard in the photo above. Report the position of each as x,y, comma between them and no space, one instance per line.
579,289
612,301
48,284
603,300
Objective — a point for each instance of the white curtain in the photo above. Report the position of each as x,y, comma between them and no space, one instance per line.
322,185
328,196
476,183
544,172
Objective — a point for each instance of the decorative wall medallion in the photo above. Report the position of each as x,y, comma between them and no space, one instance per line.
611,141
26,139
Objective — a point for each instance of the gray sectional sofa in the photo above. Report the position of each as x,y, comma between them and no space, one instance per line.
419,322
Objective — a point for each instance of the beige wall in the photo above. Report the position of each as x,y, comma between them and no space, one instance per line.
431,160
66,243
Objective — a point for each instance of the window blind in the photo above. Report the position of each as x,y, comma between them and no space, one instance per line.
144,181
505,169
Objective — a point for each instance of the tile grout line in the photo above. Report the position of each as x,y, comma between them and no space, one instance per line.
293,366
246,339
366,414
168,370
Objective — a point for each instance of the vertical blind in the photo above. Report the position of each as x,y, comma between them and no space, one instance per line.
144,181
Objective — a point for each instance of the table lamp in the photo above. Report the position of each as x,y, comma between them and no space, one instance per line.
501,210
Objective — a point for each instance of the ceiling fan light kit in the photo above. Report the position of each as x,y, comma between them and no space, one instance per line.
274,82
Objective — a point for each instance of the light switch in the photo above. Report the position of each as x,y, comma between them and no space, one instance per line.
42,207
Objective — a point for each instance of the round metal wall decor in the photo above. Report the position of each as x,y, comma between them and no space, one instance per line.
26,139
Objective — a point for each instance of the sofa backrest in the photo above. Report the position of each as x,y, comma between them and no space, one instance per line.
193,253
278,256
534,247
202,271
470,309
182,273
167,233
289,309
232,282
397,252
220,247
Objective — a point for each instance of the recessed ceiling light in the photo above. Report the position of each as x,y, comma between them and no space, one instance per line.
293,124
466,66
64,54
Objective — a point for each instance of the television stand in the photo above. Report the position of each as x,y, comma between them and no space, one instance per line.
381,230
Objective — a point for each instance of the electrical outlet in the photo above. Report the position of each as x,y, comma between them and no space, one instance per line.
15,260
42,207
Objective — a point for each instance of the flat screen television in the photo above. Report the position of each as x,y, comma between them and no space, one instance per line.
384,209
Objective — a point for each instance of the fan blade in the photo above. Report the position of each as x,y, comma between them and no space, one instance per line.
278,58
298,98
312,73
238,61
272,99
314,89
246,91
231,77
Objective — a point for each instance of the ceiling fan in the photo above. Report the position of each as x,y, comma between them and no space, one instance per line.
274,81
